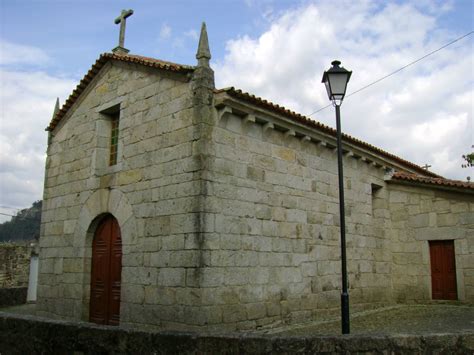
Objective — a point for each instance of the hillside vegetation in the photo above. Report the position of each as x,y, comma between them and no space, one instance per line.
24,226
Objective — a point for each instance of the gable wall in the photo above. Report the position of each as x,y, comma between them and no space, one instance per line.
150,191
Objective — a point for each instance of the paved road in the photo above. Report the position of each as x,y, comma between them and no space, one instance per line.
416,319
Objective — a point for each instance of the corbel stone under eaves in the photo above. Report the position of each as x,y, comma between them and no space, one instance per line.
270,120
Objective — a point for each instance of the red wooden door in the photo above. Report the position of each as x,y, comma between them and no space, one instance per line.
443,270
106,273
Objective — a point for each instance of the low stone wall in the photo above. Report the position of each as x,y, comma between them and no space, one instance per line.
33,335
13,296
14,264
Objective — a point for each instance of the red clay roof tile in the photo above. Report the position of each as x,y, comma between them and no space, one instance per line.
432,181
100,62
299,118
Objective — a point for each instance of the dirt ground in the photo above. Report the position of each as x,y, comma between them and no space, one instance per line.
406,319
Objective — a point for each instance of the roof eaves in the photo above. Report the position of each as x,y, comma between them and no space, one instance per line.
414,179
299,118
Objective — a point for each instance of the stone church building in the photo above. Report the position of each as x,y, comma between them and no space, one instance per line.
170,203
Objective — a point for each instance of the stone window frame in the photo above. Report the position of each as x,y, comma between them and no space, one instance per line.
106,115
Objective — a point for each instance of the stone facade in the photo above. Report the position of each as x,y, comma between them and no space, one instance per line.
228,207
150,191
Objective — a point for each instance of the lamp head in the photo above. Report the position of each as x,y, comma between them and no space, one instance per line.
336,79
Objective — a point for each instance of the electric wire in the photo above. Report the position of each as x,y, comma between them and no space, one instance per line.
354,92
11,215
399,69
11,207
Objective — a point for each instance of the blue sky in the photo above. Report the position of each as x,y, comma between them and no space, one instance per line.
74,32
275,49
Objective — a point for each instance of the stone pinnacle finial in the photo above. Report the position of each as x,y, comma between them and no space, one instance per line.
203,54
56,107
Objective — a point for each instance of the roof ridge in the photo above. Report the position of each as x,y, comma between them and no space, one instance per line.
316,124
99,63
146,58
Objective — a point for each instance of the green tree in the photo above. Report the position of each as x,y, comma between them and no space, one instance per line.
25,225
469,158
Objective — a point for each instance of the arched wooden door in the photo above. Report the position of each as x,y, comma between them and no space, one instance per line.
106,273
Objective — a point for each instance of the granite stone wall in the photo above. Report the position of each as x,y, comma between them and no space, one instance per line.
419,215
150,191
275,254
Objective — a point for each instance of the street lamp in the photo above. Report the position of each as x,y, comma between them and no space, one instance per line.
336,79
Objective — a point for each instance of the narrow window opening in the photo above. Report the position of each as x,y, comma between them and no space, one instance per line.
376,200
111,131
114,139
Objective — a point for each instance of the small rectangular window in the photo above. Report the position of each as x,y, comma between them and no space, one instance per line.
114,139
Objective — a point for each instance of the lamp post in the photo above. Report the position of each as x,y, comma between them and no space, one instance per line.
336,79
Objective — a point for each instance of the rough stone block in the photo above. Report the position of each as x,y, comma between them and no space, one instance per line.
129,177
256,174
233,313
211,277
171,277
398,197
172,242
283,153
132,294
188,296
466,218
157,226
298,216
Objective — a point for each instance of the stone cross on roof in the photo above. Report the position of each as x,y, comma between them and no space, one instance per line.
426,166
120,49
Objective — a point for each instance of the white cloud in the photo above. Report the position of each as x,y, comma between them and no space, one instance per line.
11,53
430,133
423,113
193,34
26,102
165,31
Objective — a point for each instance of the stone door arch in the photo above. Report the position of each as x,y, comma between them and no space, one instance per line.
106,271
100,204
